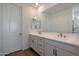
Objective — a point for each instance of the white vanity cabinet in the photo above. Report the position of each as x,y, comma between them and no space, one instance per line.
49,47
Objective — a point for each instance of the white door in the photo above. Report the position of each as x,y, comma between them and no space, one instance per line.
0,29
11,28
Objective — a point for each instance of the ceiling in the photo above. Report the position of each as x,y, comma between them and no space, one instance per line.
48,7
33,4
42,6
60,7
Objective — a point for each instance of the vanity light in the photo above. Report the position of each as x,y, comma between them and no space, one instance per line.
36,4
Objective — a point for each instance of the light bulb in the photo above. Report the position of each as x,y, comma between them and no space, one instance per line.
36,4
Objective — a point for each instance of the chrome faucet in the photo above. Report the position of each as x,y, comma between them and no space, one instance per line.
61,35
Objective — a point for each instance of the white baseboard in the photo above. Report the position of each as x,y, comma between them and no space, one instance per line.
2,54
25,48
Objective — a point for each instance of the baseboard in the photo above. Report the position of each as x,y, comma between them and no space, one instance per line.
25,48
13,52
2,54
5,54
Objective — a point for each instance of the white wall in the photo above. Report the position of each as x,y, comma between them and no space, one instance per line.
59,22
41,16
28,13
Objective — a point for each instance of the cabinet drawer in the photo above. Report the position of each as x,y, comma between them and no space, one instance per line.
40,43
32,37
62,45
40,40
62,52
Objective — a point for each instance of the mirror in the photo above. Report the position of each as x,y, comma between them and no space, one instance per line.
36,23
63,20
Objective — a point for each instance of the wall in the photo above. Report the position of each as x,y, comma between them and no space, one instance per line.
28,13
59,22
41,16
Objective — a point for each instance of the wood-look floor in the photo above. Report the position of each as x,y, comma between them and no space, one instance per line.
28,52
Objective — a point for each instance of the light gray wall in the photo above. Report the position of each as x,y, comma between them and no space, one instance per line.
59,22
28,13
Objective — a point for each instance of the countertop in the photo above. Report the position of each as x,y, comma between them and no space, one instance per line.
72,39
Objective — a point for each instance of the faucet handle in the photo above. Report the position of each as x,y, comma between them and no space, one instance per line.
65,36
60,34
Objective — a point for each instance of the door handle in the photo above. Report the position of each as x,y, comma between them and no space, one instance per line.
32,41
20,34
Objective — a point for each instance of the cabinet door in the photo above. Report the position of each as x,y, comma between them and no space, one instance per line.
49,50
40,45
61,52
33,43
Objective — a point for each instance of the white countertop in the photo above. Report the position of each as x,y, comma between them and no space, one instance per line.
72,39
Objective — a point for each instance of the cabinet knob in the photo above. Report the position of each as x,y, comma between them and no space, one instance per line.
32,41
20,34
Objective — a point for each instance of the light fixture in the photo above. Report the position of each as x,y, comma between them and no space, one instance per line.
36,4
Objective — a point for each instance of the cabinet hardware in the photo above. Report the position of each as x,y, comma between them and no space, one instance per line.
32,41
20,34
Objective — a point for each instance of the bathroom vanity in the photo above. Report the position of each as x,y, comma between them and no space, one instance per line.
49,44
61,18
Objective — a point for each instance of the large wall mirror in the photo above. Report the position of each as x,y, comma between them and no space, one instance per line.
62,19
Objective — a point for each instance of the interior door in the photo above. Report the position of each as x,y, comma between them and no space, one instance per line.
11,28
0,29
